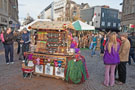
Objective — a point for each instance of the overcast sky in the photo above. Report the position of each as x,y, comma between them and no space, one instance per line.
34,7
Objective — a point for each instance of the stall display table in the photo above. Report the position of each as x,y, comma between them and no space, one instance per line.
48,65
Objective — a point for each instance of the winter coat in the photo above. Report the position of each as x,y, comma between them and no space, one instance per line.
132,41
102,41
94,40
26,38
9,38
124,51
113,57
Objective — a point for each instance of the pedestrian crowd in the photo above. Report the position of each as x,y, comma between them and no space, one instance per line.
8,37
117,49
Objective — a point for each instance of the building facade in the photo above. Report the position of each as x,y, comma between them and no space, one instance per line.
128,14
3,13
47,13
102,17
63,10
9,13
59,10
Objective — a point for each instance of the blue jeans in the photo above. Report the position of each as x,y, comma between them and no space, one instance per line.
91,45
131,55
93,50
25,48
9,49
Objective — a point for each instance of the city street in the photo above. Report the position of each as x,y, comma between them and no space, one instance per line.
11,77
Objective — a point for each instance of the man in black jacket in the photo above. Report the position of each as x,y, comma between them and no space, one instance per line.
8,44
132,49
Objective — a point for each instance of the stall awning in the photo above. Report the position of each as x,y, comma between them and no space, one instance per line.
51,25
81,26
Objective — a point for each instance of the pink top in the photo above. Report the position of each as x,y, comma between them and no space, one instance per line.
2,37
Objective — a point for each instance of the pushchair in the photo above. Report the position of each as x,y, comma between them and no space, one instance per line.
27,71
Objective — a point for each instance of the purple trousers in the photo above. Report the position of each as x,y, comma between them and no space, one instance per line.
109,75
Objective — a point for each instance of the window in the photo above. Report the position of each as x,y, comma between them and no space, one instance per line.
90,23
1,5
103,23
114,24
74,13
133,9
133,2
5,5
109,24
119,25
103,14
99,14
115,16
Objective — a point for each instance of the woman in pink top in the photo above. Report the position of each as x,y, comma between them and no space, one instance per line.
2,36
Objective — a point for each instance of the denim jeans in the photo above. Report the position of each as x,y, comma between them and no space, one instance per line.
131,55
25,48
9,49
91,45
93,50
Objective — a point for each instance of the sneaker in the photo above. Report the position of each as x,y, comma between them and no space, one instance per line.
12,62
7,63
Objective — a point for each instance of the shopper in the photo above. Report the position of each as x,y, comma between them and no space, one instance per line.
18,39
8,45
132,49
25,41
2,36
103,43
94,45
124,55
111,59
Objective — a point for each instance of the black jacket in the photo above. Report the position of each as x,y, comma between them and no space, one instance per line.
132,41
9,38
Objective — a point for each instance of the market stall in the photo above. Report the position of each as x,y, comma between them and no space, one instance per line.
83,31
50,50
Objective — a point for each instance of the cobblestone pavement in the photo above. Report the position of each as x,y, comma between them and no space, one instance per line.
11,77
